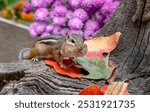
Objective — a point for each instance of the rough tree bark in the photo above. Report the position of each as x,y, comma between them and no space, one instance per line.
132,19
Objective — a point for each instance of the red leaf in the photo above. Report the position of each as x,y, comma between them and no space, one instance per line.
72,72
91,90
104,88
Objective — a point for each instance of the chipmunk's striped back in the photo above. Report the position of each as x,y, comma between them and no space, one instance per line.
53,39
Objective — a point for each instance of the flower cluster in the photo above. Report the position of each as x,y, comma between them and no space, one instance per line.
60,17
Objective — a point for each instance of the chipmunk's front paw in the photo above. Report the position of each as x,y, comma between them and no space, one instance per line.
35,60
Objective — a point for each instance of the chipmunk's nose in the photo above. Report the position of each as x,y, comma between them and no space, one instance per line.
80,48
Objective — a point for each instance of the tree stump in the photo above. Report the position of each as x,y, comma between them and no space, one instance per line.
132,56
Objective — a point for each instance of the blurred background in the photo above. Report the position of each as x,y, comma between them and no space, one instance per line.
46,17
13,29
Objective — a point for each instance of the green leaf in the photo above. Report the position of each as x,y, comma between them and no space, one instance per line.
2,5
97,69
26,23
9,2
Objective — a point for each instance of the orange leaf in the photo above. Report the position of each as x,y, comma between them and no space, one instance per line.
91,90
73,71
105,44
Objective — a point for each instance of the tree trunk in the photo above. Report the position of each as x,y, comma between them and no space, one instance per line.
132,19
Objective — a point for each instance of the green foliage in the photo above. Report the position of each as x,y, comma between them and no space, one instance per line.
26,23
4,3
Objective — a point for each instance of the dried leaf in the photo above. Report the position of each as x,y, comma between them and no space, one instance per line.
91,90
116,88
72,72
103,44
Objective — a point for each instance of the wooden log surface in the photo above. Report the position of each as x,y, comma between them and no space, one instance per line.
132,56
13,38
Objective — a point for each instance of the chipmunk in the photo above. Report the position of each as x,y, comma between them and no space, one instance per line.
56,48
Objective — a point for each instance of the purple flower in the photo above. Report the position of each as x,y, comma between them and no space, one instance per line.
38,3
88,34
75,23
91,25
98,3
106,18
57,3
99,16
81,14
41,14
49,28
117,3
27,7
64,31
87,3
49,2
41,27
44,34
60,10
59,21
74,3
101,24
32,31
52,14
108,8
57,30
69,14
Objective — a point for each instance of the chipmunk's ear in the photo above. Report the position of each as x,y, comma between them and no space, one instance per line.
68,36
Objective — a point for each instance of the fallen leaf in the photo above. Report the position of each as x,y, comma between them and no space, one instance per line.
91,90
105,87
92,54
97,69
116,88
103,44
72,71
95,90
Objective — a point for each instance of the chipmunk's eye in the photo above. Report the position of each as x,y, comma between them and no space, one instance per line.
72,41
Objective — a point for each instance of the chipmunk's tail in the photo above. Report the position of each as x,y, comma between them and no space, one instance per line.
24,53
